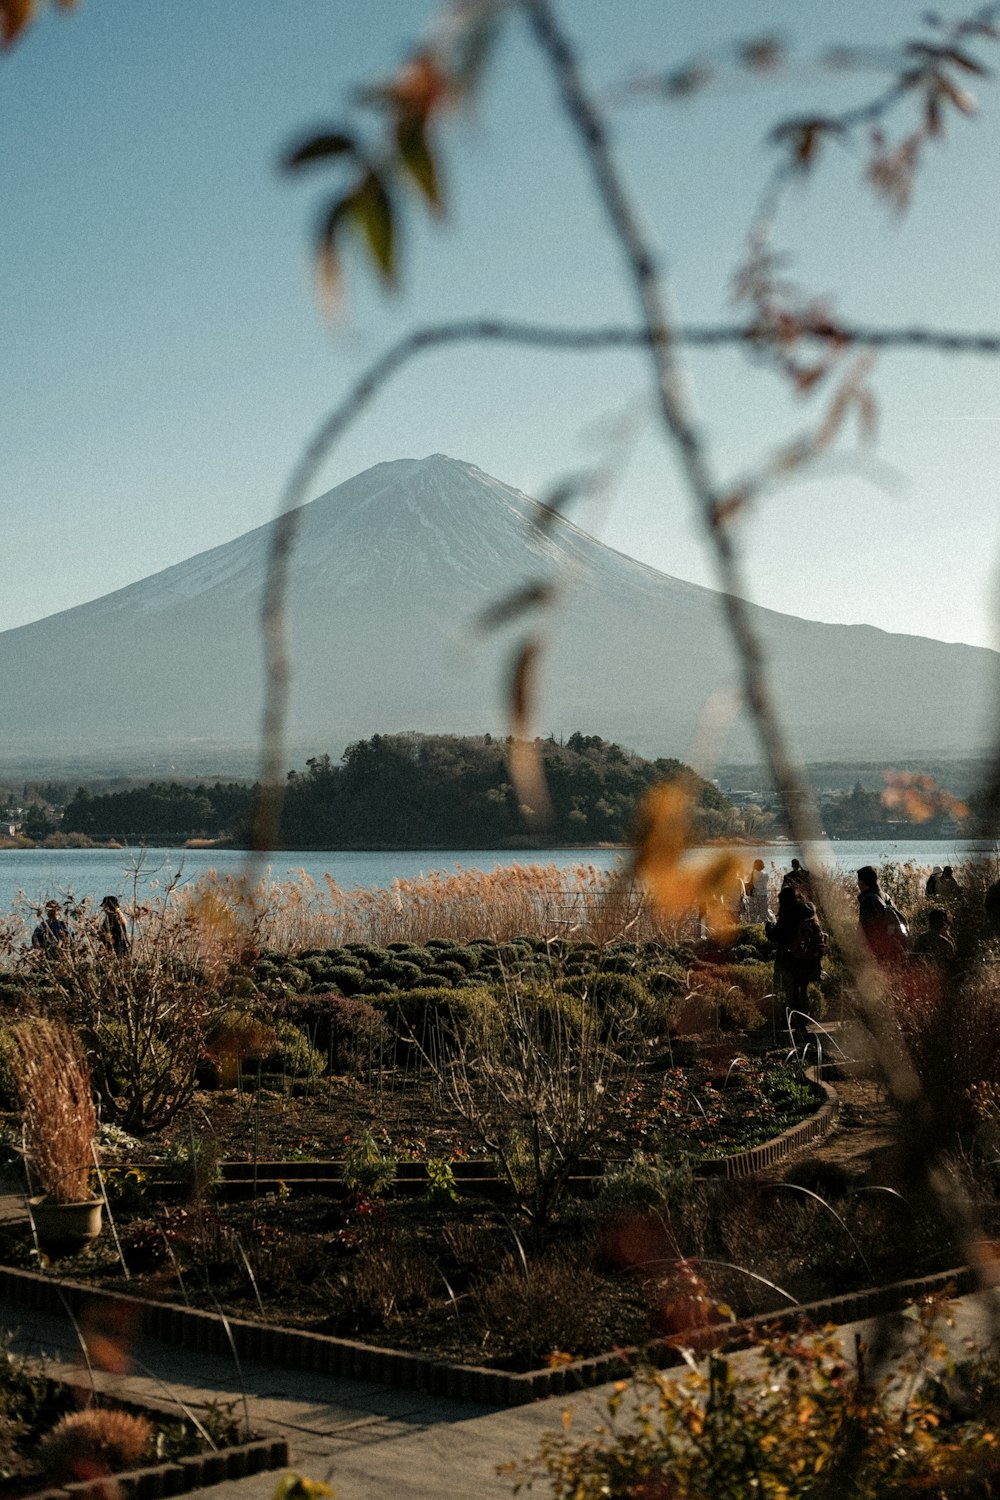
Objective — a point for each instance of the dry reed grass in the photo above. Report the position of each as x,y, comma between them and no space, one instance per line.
60,1122
582,903
218,917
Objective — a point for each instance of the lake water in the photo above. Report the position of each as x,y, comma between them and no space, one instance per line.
94,873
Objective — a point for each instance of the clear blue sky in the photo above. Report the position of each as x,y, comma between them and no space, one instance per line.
164,360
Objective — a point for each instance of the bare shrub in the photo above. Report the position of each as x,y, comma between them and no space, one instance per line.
553,1305
60,1122
146,1026
536,1083
388,1276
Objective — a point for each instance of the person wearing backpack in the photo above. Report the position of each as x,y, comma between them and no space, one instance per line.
800,944
882,925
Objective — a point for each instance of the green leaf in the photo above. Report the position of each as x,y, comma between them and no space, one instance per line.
371,210
417,158
319,148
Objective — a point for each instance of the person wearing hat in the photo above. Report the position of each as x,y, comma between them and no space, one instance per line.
931,888
114,933
52,931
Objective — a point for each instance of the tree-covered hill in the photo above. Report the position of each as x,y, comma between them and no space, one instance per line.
410,791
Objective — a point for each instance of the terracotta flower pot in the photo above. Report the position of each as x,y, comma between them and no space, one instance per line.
64,1228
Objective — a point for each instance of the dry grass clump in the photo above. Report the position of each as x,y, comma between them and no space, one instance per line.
60,1121
88,1444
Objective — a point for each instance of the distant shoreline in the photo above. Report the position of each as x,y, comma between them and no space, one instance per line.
913,834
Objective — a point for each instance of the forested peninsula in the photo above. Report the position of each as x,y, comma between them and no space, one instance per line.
409,791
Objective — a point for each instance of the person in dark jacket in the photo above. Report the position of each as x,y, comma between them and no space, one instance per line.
52,931
114,933
936,944
799,943
881,925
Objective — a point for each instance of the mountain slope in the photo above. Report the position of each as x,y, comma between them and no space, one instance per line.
389,570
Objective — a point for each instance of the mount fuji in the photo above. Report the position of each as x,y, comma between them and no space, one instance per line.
390,571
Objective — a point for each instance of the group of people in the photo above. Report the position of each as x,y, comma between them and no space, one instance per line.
53,931
800,942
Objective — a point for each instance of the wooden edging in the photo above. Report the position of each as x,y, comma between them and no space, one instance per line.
345,1358
471,1174
194,1472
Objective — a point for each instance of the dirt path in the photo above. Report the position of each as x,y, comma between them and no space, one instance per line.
867,1135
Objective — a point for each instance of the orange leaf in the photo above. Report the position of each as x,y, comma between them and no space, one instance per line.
14,16
678,886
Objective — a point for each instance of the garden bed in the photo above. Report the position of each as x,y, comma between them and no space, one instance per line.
518,1163
55,1434
442,1271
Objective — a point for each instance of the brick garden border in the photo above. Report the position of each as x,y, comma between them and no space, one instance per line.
293,1348
194,1472
347,1359
758,1158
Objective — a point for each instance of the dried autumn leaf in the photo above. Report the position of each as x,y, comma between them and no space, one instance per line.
16,14
14,17
558,1359
421,87
919,797
298,1487
802,138
805,377
762,54
687,80
678,886
891,172
963,101
319,148
524,760
847,394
